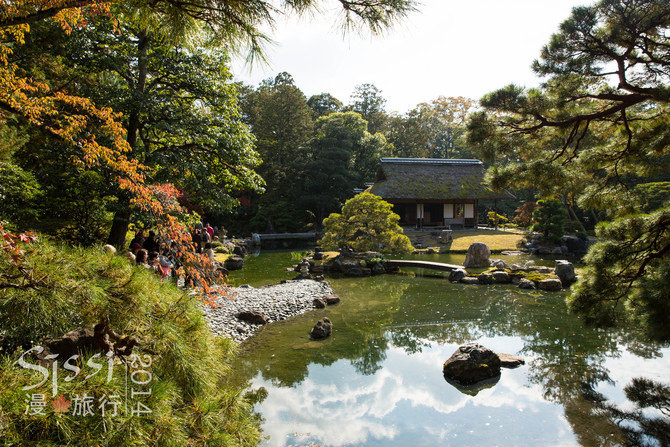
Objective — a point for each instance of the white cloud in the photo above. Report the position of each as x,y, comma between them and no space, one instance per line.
451,48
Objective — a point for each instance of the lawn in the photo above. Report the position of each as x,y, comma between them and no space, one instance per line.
496,240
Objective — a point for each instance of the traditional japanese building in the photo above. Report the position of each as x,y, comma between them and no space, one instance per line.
433,191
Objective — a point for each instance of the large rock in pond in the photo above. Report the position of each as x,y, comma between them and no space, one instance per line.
551,285
565,272
471,363
234,263
322,329
477,256
575,244
331,299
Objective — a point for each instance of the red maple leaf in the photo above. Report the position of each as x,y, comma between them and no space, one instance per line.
61,405
27,238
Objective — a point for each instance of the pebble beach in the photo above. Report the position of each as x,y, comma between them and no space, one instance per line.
275,302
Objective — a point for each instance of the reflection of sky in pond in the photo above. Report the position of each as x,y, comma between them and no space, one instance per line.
408,403
377,381
629,365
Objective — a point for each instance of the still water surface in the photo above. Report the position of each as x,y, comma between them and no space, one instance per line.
377,381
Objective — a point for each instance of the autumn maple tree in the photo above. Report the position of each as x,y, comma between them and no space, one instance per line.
117,140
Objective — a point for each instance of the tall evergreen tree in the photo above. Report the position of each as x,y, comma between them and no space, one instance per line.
369,102
180,111
343,156
281,120
323,104
600,118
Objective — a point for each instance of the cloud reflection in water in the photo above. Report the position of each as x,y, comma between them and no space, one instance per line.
408,402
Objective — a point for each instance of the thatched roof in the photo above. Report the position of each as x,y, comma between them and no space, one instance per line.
433,179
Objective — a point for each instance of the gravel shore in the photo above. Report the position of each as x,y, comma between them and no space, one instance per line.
276,302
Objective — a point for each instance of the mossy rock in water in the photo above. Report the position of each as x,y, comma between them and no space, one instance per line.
534,276
537,277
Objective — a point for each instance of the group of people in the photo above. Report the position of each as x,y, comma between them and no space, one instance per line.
155,255
163,256
203,235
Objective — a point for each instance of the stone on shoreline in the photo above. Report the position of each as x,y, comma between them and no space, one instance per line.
526,284
234,263
565,272
485,278
457,275
276,302
331,299
252,317
551,285
501,277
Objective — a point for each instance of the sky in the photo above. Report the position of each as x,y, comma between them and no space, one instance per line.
448,47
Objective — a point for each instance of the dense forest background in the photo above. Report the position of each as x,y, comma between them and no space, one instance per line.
316,151
127,117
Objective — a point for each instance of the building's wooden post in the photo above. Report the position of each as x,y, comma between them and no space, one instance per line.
476,213
419,216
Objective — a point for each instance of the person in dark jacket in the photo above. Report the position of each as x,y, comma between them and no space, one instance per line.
151,244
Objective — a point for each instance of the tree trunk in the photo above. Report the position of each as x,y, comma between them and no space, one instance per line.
117,234
595,218
571,213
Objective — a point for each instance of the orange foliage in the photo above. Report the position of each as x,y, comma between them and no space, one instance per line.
80,123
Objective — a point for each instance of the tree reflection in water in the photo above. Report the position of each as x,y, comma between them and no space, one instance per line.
648,424
565,358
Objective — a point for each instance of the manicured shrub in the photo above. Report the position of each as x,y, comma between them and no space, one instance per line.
367,223
550,219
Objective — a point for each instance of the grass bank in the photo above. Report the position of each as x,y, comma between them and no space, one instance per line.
183,384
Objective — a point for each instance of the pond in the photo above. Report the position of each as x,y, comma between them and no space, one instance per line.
377,381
